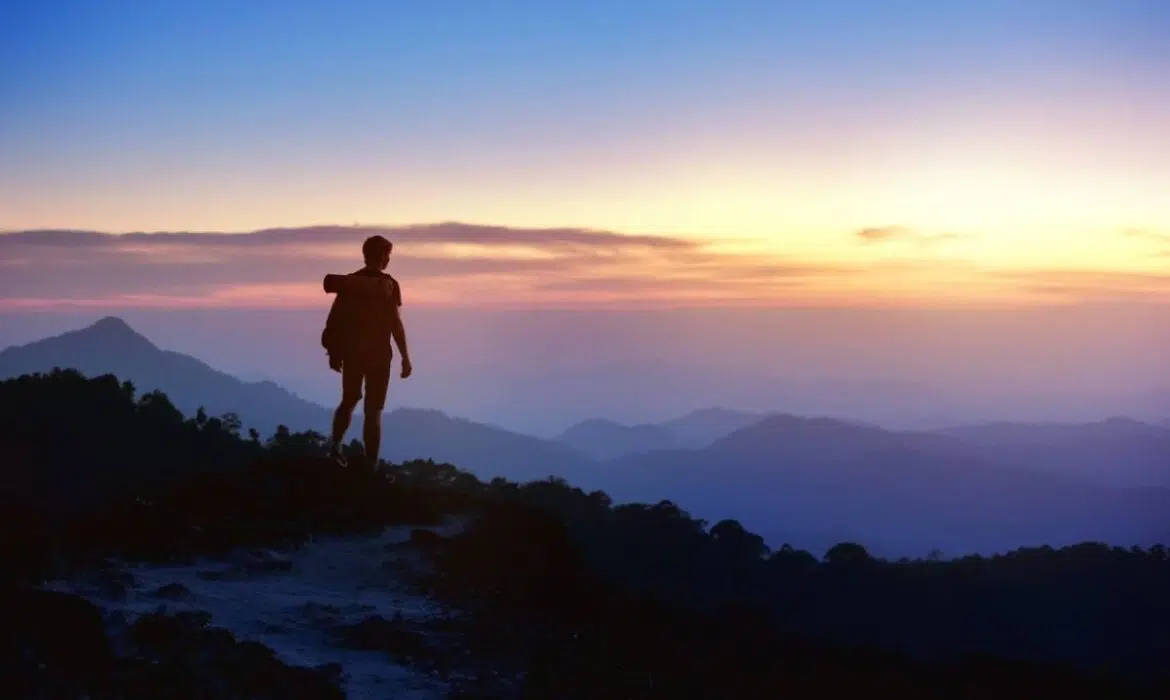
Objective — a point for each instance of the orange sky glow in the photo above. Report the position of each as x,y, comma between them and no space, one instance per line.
445,265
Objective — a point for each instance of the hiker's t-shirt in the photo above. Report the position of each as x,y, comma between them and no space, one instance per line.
371,318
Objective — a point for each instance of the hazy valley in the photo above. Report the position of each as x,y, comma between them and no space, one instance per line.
805,481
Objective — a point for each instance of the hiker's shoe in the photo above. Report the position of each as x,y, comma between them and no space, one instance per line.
336,455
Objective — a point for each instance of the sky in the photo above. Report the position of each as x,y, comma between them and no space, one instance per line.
825,153
915,209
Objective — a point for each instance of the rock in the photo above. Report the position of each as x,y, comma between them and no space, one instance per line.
376,633
425,539
54,640
173,591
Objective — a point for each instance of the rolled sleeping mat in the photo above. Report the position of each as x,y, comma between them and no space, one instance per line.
359,285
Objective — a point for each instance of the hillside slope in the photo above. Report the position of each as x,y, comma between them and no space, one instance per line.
1117,451
111,346
605,439
907,492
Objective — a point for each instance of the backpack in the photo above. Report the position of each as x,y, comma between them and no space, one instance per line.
338,326
353,291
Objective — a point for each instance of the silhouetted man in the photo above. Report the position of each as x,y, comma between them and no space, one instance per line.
364,318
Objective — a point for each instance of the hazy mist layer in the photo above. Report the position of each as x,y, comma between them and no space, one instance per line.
540,371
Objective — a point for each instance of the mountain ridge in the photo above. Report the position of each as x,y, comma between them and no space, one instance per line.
603,438
792,474
112,346
757,465
1116,450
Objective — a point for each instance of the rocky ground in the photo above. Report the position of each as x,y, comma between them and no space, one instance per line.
346,603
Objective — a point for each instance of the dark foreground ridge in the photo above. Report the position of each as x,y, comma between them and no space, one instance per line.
559,593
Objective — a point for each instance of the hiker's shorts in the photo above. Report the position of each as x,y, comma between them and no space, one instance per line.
375,375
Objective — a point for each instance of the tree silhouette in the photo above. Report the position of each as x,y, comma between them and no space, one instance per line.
738,543
847,554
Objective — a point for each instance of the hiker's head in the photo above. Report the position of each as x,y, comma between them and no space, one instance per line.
376,251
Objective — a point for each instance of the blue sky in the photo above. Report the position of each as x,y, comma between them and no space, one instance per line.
232,84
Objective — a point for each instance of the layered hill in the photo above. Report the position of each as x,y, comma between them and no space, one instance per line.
1118,451
604,439
111,346
907,492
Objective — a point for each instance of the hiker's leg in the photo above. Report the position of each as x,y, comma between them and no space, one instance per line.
377,384
351,395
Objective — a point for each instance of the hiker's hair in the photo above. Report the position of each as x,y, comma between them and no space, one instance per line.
375,247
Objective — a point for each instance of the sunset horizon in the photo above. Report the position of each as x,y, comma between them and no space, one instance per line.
564,267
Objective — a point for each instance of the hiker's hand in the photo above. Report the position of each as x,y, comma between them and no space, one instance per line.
335,363
406,367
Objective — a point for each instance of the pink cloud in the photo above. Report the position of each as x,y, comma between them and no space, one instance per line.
464,265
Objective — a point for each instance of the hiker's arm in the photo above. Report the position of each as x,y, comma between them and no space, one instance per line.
398,331
396,328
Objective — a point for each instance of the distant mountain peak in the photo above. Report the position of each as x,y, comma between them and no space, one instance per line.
111,323
599,423
106,335
114,330
110,346
701,427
